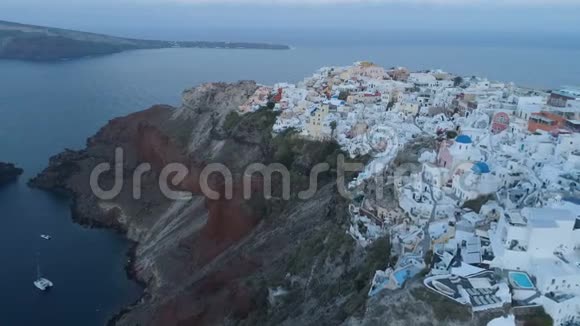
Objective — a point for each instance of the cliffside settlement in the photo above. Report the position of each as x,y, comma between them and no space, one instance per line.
495,205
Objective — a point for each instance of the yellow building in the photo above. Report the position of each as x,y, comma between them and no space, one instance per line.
315,126
408,108
360,128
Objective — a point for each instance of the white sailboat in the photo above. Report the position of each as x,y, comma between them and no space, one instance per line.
41,283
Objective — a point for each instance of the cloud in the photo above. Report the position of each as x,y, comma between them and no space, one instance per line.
145,18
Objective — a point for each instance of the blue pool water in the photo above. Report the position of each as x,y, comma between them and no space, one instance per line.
404,274
401,276
521,280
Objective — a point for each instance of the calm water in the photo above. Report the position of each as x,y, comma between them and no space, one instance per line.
45,108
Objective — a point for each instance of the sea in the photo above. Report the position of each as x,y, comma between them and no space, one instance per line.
47,107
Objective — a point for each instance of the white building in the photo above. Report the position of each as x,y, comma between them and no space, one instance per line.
542,241
422,79
562,308
477,182
528,105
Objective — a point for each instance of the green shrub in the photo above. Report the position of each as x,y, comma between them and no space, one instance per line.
231,121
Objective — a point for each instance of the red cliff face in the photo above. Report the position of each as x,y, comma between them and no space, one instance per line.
155,148
217,294
145,142
228,222
149,137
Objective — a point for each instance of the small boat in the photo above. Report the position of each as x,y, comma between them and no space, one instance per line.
45,236
41,283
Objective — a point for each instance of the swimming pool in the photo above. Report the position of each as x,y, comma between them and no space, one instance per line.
520,280
402,275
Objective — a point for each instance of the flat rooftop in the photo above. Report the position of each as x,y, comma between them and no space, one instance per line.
555,266
515,218
540,117
547,217
559,298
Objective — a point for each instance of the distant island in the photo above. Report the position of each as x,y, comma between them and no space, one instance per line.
37,43
9,172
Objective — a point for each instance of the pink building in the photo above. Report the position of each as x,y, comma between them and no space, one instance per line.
444,158
500,122
259,98
461,150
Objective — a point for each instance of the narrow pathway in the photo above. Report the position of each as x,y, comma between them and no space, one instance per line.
426,243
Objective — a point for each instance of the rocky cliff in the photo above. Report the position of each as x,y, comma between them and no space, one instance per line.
225,261
9,172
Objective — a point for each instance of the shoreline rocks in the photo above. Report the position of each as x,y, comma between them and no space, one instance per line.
9,173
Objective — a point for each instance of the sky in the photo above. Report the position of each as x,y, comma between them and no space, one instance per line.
211,19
